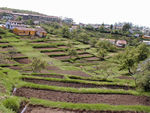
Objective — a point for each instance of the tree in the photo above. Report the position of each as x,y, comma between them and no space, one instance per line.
101,53
72,52
132,56
126,27
93,42
19,18
30,22
11,53
105,45
65,32
37,65
143,76
83,37
111,27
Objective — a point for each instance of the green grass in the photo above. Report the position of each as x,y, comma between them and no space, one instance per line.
93,107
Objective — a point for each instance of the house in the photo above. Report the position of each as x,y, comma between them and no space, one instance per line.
41,32
24,31
121,43
13,24
146,37
146,42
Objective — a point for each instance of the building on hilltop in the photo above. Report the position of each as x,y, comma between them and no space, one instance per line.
121,43
13,24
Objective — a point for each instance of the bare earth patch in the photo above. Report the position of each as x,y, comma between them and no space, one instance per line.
75,85
23,60
112,99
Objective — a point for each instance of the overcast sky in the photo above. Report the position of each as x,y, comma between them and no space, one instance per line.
89,11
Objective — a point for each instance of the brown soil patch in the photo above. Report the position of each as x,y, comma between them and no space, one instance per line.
85,54
62,46
4,43
18,55
48,75
41,109
15,67
54,53
78,73
38,43
47,48
54,68
125,77
6,48
113,99
23,60
74,85
92,58
62,57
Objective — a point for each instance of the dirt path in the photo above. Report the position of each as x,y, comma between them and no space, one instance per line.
40,109
74,85
113,99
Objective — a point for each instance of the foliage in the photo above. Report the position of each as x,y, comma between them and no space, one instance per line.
37,65
12,103
3,58
101,53
65,32
93,42
126,27
143,76
132,56
105,45
72,52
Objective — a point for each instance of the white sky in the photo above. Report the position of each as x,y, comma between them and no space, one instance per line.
89,11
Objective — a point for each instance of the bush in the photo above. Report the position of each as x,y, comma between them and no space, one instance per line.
12,103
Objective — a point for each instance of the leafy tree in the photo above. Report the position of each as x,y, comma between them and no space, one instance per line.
132,56
11,53
65,32
83,37
19,18
143,77
105,45
72,52
37,65
93,42
126,27
101,53
30,22
111,27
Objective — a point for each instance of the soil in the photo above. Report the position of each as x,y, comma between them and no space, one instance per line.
69,72
48,75
92,58
18,55
62,46
23,60
6,48
53,53
47,48
54,68
15,67
41,109
125,77
112,99
75,85
86,54
62,57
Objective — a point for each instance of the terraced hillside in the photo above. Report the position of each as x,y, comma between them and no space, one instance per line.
68,84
